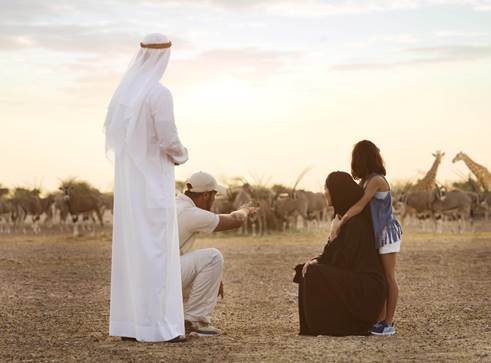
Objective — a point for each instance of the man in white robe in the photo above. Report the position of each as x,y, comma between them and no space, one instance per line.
146,294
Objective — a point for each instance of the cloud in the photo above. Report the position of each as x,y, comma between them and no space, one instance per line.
460,34
90,80
400,38
317,8
242,63
26,10
454,53
22,11
482,6
103,26
103,39
424,56
362,66
59,26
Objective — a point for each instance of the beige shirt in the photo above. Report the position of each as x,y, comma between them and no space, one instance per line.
192,220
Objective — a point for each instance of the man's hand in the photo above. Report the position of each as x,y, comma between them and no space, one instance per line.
249,208
220,290
243,212
335,228
306,266
235,219
240,215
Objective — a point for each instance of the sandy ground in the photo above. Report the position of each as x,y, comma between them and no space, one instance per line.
55,301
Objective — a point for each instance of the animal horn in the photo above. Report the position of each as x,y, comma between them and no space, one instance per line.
300,177
255,177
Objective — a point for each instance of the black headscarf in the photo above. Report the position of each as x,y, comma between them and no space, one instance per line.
343,190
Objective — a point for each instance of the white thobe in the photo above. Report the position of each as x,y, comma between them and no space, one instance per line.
146,294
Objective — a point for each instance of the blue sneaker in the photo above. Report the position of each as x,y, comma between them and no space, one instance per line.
381,328
377,324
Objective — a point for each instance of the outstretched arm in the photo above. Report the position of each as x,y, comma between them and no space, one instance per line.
233,220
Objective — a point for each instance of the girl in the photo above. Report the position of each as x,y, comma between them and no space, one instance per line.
367,165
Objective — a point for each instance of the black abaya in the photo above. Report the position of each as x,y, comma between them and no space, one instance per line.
344,292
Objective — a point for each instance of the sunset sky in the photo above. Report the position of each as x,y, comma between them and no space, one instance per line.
262,89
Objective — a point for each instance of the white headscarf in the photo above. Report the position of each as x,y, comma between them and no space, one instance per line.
143,73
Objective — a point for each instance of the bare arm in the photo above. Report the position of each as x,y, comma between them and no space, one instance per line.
232,221
376,184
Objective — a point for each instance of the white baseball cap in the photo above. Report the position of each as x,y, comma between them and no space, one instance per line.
203,182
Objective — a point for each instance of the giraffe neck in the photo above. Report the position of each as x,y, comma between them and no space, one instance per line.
472,165
429,179
481,173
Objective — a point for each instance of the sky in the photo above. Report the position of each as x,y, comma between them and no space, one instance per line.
262,89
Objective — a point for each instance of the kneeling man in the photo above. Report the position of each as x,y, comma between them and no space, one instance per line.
201,270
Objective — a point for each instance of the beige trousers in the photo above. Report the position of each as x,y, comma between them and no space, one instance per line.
201,273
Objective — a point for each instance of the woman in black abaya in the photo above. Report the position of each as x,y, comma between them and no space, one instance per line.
342,291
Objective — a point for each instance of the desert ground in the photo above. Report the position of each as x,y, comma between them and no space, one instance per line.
55,303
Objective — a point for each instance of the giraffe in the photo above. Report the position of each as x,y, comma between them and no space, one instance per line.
427,183
482,174
418,201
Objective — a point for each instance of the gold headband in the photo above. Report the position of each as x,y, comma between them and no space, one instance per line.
156,46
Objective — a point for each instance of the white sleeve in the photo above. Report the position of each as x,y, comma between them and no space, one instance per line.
201,220
165,127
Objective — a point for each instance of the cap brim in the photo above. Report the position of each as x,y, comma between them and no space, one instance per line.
221,189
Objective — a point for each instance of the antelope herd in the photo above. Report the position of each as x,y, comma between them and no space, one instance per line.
77,205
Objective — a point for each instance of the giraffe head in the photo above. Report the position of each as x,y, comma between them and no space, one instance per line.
459,156
438,155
